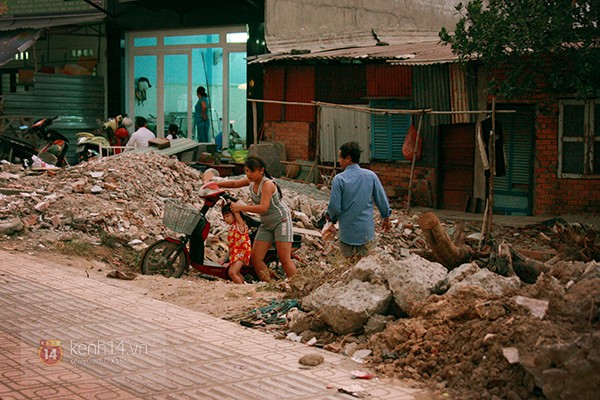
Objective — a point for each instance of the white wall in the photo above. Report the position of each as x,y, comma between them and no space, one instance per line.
314,24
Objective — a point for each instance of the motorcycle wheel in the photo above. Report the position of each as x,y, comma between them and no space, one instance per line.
162,258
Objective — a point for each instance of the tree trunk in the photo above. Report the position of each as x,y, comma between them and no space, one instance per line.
527,269
444,250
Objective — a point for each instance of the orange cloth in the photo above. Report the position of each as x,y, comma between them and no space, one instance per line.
239,245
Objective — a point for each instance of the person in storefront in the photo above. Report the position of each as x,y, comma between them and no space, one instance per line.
354,191
142,135
201,119
173,132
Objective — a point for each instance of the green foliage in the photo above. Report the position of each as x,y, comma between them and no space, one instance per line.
528,46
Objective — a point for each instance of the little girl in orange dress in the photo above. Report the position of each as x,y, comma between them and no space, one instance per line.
239,243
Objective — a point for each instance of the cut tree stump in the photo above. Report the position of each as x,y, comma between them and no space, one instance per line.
444,250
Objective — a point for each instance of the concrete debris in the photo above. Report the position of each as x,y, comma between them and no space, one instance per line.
348,307
511,354
412,280
538,308
311,359
419,321
10,226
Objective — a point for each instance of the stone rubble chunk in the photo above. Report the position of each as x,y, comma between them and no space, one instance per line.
412,280
349,307
538,308
10,226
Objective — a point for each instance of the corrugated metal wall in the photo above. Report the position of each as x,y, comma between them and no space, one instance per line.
274,84
458,93
78,100
300,87
289,83
389,81
341,84
431,89
341,125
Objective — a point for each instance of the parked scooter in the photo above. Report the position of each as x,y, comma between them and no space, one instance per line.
37,140
109,137
170,256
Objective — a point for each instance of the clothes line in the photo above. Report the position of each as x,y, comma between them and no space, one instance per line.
379,111
376,110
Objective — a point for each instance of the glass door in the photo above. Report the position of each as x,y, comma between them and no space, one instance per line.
207,71
167,68
145,78
175,92
237,100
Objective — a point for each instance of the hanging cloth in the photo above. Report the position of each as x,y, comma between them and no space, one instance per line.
486,132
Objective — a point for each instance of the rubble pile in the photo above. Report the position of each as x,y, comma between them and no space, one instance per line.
121,196
477,329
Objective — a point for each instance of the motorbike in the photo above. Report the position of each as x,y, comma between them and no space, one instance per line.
109,137
171,257
37,140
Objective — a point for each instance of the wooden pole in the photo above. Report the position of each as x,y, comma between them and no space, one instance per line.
318,145
414,159
486,227
255,122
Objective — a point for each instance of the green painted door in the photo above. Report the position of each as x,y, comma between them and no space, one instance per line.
513,192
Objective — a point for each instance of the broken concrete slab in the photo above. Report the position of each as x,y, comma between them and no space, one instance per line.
491,282
10,226
413,279
349,307
538,308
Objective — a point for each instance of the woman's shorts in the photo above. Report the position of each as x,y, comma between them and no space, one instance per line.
281,232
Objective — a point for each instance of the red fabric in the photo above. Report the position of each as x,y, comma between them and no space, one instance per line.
411,148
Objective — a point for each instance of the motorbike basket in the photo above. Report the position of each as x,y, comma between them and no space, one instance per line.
180,218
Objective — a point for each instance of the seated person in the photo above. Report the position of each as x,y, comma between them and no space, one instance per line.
173,131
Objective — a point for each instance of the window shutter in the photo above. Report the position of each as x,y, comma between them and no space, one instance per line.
389,131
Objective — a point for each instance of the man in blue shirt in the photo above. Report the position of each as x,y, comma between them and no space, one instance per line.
353,192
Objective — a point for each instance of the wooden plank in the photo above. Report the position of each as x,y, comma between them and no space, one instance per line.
304,231
178,146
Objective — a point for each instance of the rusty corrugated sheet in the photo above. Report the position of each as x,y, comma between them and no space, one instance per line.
342,84
274,83
388,80
431,89
300,87
341,125
422,53
459,95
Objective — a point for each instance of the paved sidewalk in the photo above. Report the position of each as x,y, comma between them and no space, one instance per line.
114,344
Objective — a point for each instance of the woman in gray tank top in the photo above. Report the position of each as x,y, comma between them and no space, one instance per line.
275,216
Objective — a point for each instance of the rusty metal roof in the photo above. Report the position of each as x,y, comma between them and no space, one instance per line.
419,53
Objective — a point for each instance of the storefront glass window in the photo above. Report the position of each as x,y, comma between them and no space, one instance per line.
144,85
176,91
144,42
191,39
176,63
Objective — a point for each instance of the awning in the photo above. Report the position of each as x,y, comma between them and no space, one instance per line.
49,22
16,41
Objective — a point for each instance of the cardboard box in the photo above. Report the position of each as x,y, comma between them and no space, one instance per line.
75,69
26,75
161,143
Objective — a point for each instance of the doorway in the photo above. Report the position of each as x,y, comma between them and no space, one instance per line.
513,192
456,166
